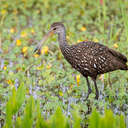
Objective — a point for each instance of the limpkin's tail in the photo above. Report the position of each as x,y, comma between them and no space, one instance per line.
120,56
125,67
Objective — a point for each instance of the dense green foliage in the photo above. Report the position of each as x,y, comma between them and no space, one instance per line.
48,77
32,117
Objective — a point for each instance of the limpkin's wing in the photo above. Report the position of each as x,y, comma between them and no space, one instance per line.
99,58
101,49
108,59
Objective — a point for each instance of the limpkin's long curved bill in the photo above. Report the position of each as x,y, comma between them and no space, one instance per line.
50,33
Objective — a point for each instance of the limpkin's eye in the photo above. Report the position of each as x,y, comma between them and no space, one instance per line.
54,28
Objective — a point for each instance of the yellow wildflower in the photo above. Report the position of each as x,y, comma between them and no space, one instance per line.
83,28
12,30
36,55
44,50
79,41
38,68
61,94
18,42
23,34
3,12
32,31
67,37
49,66
95,40
4,67
10,82
71,86
24,49
78,79
115,45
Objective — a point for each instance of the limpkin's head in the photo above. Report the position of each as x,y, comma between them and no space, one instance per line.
55,28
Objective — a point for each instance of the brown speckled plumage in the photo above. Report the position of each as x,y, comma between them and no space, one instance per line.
89,58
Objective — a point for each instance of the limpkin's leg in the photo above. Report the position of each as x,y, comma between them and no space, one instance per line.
97,92
89,88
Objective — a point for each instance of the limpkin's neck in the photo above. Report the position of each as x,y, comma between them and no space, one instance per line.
65,48
62,39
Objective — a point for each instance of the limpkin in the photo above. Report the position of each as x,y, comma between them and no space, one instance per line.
87,57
